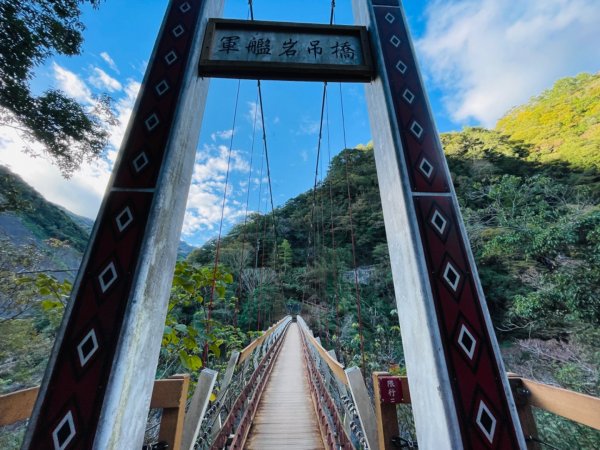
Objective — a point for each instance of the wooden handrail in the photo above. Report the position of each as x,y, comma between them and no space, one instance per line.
571,405
336,367
247,351
17,406
580,408
169,394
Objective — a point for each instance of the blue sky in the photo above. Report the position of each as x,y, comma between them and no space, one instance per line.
479,58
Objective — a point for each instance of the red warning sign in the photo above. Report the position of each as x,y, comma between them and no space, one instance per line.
390,389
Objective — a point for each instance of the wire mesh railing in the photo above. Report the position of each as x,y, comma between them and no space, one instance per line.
227,419
336,406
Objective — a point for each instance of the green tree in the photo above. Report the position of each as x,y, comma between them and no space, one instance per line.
285,255
31,31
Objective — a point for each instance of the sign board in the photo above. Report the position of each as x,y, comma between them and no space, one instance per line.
285,51
390,390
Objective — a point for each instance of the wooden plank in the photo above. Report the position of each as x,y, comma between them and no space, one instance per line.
197,408
386,415
171,422
166,393
363,404
17,406
574,406
285,417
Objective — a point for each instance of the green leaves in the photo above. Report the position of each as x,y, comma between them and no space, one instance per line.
189,361
67,132
185,333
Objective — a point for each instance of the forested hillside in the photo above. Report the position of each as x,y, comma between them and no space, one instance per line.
529,193
562,124
534,225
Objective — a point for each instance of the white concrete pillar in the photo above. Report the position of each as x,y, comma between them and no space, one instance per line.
97,388
460,394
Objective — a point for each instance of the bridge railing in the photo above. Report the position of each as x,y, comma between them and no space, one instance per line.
226,421
341,397
196,423
580,408
168,395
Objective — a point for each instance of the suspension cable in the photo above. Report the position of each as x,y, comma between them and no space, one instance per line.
239,290
336,293
218,249
353,240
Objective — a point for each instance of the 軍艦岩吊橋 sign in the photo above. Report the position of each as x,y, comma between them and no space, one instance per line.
285,51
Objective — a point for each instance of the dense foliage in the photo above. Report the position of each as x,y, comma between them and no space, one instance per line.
533,223
30,32
561,124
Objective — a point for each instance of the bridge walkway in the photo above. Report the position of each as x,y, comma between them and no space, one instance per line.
286,417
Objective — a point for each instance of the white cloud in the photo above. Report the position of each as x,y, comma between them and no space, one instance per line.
101,80
488,55
205,199
225,134
108,60
253,115
71,84
80,194
83,192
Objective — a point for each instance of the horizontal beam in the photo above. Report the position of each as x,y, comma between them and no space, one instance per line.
580,408
18,405
574,406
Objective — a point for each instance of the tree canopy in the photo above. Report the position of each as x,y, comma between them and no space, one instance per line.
31,31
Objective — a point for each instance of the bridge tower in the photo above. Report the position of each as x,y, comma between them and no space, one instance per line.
96,390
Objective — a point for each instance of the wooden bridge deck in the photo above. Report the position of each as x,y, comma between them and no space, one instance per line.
286,416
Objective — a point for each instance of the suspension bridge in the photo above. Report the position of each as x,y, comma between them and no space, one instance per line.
284,390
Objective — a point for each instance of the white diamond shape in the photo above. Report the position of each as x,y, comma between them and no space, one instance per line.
426,167
124,218
401,67
66,421
185,7
105,283
390,17
178,31
469,349
416,129
452,276
439,222
483,409
84,358
152,122
171,57
395,41
162,87
408,96
140,162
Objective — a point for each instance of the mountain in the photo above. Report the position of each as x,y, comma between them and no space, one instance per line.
560,125
532,216
59,236
39,217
